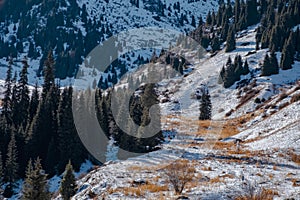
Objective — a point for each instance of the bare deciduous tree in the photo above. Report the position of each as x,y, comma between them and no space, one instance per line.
179,174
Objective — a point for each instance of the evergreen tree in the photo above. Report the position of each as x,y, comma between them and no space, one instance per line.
48,74
205,105
288,53
208,19
69,144
230,42
1,169
6,103
266,67
251,13
11,164
246,68
34,103
274,63
215,44
68,183
35,185
23,95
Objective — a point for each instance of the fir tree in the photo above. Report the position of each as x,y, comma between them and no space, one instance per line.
34,103
288,53
246,68
265,70
11,164
68,183
274,63
205,105
251,12
230,42
23,95
35,185
48,74
1,169
6,104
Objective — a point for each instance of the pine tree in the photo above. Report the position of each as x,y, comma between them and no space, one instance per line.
251,12
265,70
68,183
11,164
215,44
288,53
6,103
1,169
34,103
48,74
208,19
23,95
274,63
35,185
69,145
246,68
205,105
230,42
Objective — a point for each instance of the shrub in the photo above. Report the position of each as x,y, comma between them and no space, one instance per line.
295,98
179,174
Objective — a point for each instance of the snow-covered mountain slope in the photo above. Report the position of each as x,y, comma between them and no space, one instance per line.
249,143
112,17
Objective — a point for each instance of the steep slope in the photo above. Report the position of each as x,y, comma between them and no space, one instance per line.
264,157
74,28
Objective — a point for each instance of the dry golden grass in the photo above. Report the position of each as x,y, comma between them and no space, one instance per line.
264,194
140,190
296,183
295,158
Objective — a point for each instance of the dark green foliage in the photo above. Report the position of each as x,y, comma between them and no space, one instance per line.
246,68
11,164
6,102
1,169
288,53
270,65
69,144
35,185
233,71
251,13
230,41
215,44
68,183
205,105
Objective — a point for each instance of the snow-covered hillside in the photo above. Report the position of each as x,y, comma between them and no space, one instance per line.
118,16
249,143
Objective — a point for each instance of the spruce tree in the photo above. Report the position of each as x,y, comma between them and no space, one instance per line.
6,103
266,67
23,95
251,12
68,183
35,185
48,73
230,42
1,169
274,63
34,103
288,53
205,105
11,164
246,68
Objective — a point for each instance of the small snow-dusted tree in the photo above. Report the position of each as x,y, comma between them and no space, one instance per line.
179,173
68,184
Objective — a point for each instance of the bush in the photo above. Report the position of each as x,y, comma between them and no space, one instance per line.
252,192
295,98
179,174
